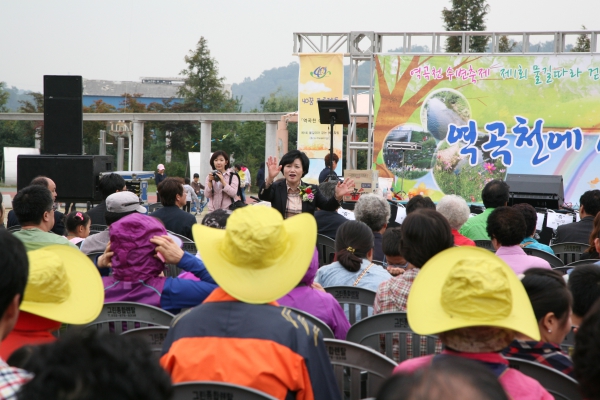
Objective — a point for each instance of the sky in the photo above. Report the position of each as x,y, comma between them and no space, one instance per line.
128,39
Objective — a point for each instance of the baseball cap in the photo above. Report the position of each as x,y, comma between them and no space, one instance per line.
122,202
160,167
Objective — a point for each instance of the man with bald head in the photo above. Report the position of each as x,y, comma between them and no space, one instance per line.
58,227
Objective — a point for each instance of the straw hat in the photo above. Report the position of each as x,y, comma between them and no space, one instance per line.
469,286
63,285
259,257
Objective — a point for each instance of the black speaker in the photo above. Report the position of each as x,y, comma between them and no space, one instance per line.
76,177
541,191
63,114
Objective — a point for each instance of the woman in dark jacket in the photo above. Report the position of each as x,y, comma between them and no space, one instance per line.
291,196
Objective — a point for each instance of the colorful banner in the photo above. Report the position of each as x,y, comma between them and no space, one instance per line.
480,118
321,78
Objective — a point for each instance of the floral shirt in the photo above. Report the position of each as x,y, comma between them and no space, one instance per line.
545,353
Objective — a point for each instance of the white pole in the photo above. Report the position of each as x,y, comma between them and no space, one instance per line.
138,146
205,149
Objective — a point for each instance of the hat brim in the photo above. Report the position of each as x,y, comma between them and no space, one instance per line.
142,210
260,286
424,307
87,291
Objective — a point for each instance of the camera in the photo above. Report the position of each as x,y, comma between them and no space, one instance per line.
215,174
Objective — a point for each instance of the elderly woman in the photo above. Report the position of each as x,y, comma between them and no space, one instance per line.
531,216
457,212
551,301
291,196
374,211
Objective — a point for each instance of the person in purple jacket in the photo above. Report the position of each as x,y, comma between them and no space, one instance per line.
312,299
137,244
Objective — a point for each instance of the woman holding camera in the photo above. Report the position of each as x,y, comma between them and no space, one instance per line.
221,186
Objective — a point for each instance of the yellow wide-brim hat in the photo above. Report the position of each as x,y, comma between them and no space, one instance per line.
259,257
63,285
468,286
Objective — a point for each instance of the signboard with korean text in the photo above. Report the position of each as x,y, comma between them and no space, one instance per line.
479,118
321,78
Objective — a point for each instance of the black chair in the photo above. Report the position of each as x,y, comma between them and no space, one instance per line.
569,252
359,371
98,227
377,332
183,238
122,316
485,244
353,297
14,228
556,383
554,261
326,249
93,256
303,315
216,390
153,336
153,207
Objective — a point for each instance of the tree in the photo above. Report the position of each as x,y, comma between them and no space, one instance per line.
3,97
505,45
583,43
466,15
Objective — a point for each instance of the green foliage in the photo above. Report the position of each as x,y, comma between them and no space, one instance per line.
505,45
3,97
466,15
583,43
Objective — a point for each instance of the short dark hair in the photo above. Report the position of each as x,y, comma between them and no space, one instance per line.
110,184
40,181
357,236
590,201
186,180
31,203
506,225
214,157
425,233
587,353
196,175
92,366
417,202
328,156
547,292
289,158
495,194
530,216
446,374
584,284
76,219
14,269
168,190
390,243
216,219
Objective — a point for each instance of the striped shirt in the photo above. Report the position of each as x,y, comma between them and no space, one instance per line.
294,202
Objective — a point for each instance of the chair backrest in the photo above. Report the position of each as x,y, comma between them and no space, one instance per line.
484,244
558,384
325,329
569,252
581,262
98,227
554,261
377,332
183,238
93,256
359,371
122,316
14,228
216,390
190,248
172,270
354,297
153,207
153,336
326,249
381,263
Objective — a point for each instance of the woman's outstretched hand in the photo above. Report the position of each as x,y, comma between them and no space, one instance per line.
273,167
343,189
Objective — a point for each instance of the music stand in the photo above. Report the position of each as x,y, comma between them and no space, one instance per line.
333,112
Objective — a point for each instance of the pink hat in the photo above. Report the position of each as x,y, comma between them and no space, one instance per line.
160,166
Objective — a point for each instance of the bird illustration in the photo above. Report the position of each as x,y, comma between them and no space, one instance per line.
594,182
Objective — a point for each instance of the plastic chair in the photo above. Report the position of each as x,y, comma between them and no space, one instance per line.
326,249
359,371
569,252
122,316
325,329
354,297
98,227
377,333
14,228
485,244
93,256
183,238
153,336
172,270
216,390
556,383
554,261
153,207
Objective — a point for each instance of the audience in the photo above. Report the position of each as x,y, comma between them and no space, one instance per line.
394,260
579,232
593,252
78,226
310,297
173,198
284,357
374,211
584,284
551,302
507,229
14,268
325,172
457,212
494,194
530,216
87,365
63,287
328,222
33,207
419,201
135,241
587,354
474,302
109,184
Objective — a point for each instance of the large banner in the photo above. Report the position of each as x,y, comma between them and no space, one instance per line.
480,118
321,78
